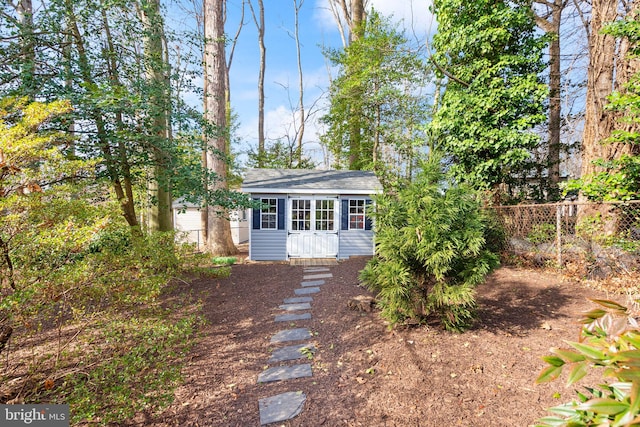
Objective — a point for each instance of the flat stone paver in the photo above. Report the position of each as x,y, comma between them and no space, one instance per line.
291,317
279,373
290,352
316,269
291,335
294,307
312,283
297,300
306,291
281,407
317,276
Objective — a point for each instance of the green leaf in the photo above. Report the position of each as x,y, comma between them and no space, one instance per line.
549,374
566,410
553,360
550,422
604,406
578,371
610,304
587,350
592,315
568,355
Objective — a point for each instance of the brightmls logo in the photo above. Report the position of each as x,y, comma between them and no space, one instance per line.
34,415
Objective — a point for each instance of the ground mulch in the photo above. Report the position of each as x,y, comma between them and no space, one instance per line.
365,374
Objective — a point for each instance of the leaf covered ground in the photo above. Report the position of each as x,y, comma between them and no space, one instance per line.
365,374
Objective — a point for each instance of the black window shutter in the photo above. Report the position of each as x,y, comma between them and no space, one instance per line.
344,219
255,217
280,214
368,221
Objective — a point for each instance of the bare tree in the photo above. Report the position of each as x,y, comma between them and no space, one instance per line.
259,21
219,241
549,19
348,16
300,133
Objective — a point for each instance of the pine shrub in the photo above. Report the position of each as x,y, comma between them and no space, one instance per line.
431,251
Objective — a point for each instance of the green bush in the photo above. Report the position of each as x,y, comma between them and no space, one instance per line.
542,233
431,251
610,341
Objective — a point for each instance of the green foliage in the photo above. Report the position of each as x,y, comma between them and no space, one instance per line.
431,251
137,367
491,56
610,342
542,233
619,180
377,113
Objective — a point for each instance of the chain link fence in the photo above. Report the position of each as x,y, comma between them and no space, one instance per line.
606,236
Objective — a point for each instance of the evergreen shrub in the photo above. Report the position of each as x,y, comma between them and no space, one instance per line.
431,251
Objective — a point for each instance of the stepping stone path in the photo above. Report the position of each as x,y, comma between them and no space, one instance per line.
287,405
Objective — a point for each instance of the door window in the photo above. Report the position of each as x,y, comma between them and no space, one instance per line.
300,215
325,220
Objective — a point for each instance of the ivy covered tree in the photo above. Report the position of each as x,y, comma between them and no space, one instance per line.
491,57
431,251
377,100
615,176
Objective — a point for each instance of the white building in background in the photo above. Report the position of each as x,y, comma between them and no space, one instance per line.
187,221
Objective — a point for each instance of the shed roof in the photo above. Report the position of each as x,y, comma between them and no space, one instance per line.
292,181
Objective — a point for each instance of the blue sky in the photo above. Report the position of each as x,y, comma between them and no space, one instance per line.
317,28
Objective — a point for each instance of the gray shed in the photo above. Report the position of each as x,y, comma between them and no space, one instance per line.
310,213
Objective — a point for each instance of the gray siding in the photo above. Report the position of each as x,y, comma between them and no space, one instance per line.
355,243
268,245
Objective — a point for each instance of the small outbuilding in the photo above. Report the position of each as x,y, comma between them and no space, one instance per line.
310,213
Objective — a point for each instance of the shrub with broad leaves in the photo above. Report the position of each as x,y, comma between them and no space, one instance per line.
609,341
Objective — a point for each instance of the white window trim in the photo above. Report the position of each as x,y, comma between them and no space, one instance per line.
264,214
364,214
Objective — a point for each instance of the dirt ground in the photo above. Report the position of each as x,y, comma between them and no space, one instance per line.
367,375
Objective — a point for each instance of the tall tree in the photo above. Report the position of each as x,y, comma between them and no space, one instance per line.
611,153
301,112
158,87
491,57
219,239
353,14
258,19
610,69
349,16
379,89
549,19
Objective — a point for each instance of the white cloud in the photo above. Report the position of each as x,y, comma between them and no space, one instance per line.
414,13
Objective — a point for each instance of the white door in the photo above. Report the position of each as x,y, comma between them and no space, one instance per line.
313,227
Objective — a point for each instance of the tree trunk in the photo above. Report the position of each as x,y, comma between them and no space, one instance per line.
113,163
159,187
609,70
300,130
219,241
550,23
263,64
24,9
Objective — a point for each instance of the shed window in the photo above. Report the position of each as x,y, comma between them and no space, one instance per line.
269,214
356,214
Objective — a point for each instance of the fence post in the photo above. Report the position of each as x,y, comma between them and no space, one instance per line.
559,233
